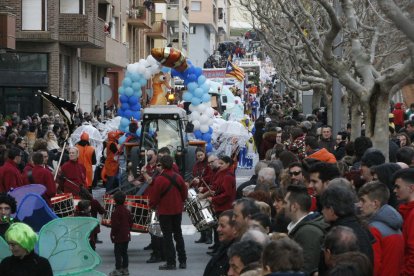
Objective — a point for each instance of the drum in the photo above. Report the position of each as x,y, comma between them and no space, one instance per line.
154,227
192,194
201,213
63,205
137,205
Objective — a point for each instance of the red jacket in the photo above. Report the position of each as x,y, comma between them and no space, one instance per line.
203,170
76,173
41,175
398,115
388,249
121,223
407,212
224,186
323,155
10,176
172,201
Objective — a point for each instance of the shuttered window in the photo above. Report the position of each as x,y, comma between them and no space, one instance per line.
34,15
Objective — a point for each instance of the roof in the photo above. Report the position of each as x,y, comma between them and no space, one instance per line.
165,109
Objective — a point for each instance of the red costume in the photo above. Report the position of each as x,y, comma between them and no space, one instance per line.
398,115
41,175
224,186
74,172
121,223
407,212
202,170
172,201
10,176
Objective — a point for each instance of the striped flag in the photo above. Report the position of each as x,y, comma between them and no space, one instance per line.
234,71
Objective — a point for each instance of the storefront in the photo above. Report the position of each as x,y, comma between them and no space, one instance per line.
21,76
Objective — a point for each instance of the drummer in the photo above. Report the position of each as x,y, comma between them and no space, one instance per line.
202,174
72,175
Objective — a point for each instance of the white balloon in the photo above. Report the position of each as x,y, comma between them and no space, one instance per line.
191,107
140,68
209,112
151,60
203,119
201,108
147,75
210,122
132,67
196,125
204,128
155,69
208,104
195,115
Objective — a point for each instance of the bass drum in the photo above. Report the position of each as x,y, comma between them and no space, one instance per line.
200,213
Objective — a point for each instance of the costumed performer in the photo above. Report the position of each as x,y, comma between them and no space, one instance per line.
72,174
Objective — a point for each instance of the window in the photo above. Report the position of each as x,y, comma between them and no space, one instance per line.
196,5
72,6
34,15
220,13
192,29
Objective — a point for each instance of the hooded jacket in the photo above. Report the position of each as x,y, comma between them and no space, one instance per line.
407,212
323,155
385,226
309,234
398,115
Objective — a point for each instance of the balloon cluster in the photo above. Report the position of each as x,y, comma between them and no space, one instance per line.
130,92
202,114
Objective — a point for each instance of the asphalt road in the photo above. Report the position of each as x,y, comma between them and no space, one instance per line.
196,253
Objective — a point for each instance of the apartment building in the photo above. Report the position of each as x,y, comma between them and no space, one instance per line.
223,22
66,47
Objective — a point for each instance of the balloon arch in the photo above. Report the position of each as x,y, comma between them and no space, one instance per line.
158,66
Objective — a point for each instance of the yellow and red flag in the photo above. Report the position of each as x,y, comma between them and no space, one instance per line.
234,71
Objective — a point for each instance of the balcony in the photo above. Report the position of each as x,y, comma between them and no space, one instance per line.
113,54
82,31
159,30
161,1
139,17
173,13
7,31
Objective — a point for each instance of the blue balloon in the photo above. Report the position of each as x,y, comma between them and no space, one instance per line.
125,106
129,74
191,77
205,98
121,90
198,134
174,73
189,62
195,101
209,147
136,115
198,93
205,87
186,82
192,86
198,71
201,80
132,100
129,91
137,94
123,99
143,82
210,130
135,77
207,137
136,85
124,122
128,113
187,96
121,139
120,112
139,130
165,69
127,82
135,107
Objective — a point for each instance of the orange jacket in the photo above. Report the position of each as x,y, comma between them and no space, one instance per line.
323,155
111,164
85,158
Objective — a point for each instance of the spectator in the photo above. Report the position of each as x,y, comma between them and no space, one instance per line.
320,174
351,263
266,180
385,224
384,174
296,173
327,140
339,240
404,189
7,207
341,141
372,157
314,151
219,263
339,210
282,257
281,221
252,181
244,256
306,228
243,209
406,155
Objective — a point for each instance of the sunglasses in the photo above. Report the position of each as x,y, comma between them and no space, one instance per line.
295,173
158,165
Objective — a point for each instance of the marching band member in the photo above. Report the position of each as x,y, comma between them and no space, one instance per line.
72,174
168,193
86,157
111,162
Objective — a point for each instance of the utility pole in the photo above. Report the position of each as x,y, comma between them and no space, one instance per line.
336,86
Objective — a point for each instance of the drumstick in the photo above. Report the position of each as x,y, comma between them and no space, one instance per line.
146,161
205,184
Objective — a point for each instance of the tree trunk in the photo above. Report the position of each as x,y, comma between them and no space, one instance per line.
316,99
355,118
344,111
376,120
